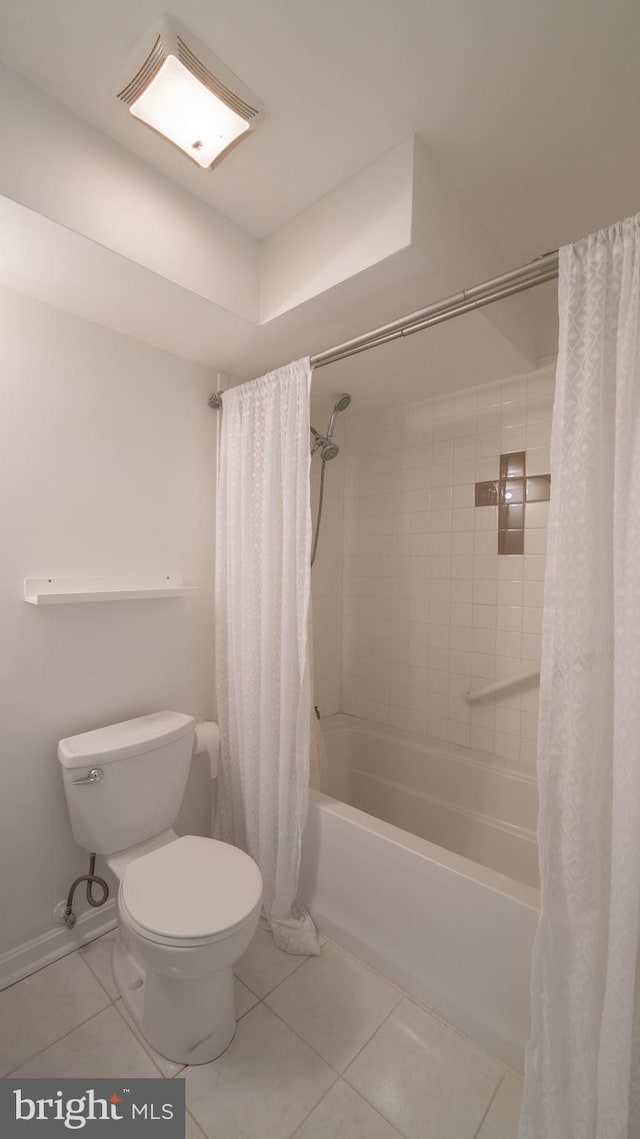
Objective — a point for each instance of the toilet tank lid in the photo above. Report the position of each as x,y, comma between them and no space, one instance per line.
120,741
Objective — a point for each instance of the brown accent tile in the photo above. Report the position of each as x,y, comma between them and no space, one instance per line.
511,490
512,465
538,488
511,541
511,517
487,493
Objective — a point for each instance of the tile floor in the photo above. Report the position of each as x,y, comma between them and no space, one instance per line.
325,1049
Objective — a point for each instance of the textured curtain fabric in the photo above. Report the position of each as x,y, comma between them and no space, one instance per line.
263,582
581,1075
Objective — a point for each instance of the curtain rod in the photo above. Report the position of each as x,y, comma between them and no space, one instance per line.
528,276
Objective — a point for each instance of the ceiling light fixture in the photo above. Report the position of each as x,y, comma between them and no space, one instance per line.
188,95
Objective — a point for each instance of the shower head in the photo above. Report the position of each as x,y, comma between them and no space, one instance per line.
327,448
341,404
329,451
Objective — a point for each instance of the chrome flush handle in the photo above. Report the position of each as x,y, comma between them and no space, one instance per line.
94,776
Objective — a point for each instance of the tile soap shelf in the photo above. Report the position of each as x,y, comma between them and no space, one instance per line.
71,590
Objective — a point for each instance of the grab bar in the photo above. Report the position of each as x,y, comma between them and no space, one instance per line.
479,693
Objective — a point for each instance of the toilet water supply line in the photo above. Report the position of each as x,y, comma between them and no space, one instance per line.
68,917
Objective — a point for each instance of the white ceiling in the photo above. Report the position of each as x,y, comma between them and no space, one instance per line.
530,108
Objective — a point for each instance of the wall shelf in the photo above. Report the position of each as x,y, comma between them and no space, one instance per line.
72,590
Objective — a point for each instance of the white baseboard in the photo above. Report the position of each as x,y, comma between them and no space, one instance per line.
56,942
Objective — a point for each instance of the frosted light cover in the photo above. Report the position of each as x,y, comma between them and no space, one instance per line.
178,106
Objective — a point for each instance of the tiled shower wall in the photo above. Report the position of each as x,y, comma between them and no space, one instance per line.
429,610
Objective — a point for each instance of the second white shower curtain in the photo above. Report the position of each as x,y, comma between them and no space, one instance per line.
583,1058
263,584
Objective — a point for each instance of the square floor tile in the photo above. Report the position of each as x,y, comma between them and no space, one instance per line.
503,1117
104,1046
262,1087
334,1003
426,1080
97,954
343,1114
43,1007
263,966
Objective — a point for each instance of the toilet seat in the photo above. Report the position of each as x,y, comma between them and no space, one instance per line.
190,892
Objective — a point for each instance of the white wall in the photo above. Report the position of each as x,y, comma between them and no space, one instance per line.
107,466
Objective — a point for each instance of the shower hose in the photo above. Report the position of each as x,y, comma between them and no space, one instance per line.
317,530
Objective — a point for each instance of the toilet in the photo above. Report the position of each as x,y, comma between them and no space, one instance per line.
187,907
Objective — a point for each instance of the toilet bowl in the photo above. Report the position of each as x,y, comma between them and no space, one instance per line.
187,906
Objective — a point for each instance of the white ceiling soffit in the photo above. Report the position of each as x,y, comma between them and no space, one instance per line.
63,269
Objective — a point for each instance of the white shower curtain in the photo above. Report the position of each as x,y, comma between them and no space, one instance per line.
263,582
582,1066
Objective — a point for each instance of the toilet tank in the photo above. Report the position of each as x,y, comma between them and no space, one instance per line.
144,764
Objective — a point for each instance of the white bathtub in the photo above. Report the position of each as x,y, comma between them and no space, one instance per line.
454,926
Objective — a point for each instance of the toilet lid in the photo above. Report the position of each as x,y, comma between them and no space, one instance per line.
191,888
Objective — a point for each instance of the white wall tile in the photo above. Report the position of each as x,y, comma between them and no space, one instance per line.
538,460
538,434
532,620
511,567
508,644
513,439
513,414
534,567
535,541
484,592
457,638
484,641
462,590
463,495
485,543
509,618
533,593
489,468
413,605
483,666
507,720
510,593
537,515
